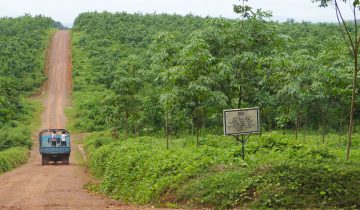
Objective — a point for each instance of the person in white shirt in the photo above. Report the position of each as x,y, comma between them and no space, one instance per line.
53,139
63,139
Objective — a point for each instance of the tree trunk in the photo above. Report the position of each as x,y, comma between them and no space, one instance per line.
340,128
170,123
197,136
323,128
269,124
351,123
197,127
240,97
353,42
126,124
240,92
192,128
296,127
354,123
305,127
166,130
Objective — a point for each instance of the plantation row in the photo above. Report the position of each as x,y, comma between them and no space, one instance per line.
137,73
23,43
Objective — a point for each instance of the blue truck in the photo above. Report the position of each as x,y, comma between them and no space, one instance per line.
52,148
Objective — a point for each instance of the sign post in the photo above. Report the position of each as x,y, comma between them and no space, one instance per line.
241,122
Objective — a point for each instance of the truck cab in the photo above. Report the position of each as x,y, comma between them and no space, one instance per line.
52,148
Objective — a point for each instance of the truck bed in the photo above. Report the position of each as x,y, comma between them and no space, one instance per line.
47,148
54,150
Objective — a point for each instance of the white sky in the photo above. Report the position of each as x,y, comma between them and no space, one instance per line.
66,11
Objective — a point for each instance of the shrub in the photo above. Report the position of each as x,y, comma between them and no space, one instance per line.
13,137
12,158
278,172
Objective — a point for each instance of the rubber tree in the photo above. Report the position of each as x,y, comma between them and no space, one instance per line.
336,65
294,96
164,50
128,83
350,33
192,80
255,40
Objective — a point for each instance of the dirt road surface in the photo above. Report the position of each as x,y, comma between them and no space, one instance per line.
34,186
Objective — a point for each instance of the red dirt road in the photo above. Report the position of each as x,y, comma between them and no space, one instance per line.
34,186
59,81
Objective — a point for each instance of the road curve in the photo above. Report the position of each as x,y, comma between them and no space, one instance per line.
34,186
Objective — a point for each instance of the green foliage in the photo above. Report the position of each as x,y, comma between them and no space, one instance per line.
319,185
134,74
326,3
217,189
349,30
279,172
113,57
183,71
23,44
12,158
13,137
144,176
18,132
249,13
89,114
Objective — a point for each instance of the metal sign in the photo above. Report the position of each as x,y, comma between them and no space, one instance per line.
241,121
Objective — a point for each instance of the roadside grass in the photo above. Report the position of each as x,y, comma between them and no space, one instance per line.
36,108
76,134
71,119
78,156
12,158
18,133
279,171
16,142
